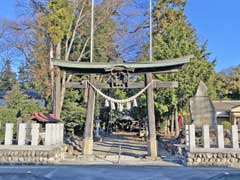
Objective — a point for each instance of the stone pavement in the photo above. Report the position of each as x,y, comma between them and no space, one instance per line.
125,149
131,148
126,143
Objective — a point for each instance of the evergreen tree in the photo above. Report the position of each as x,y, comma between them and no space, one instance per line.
234,84
74,112
221,84
20,103
57,19
7,76
227,84
24,76
174,37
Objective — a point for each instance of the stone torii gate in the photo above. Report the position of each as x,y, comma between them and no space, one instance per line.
118,78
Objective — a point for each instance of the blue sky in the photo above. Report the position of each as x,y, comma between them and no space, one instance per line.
214,20
7,9
218,22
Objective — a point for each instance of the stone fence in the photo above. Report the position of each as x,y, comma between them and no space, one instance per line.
53,134
28,148
217,147
207,145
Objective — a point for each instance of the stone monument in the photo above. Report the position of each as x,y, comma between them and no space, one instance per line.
201,107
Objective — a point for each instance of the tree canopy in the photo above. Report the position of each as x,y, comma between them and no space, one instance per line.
173,37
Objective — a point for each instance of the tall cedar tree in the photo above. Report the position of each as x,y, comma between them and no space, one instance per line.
67,23
174,37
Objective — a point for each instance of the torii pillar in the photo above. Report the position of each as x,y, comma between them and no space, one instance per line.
88,130
152,142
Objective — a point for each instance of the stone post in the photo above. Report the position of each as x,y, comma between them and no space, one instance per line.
35,134
22,134
8,134
192,136
220,137
61,133
57,134
206,137
98,128
54,134
187,134
48,135
234,133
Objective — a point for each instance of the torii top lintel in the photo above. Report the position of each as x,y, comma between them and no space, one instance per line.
171,65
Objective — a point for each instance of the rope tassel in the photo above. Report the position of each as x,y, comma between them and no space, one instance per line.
129,105
135,104
106,103
120,107
113,106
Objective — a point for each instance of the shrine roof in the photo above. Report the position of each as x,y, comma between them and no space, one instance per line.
226,105
170,65
45,118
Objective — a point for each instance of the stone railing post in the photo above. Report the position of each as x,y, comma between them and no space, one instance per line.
61,133
187,134
192,136
35,134
48,135
220,136
8,134
22,134
206,137
54,134
57,133
234,137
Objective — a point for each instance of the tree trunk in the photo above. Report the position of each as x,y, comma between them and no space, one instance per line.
51,76
172,121
57,93
58,56
63,90
58,51
176,122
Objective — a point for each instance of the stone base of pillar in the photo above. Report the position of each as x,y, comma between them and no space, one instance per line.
152,149
87,158
87,146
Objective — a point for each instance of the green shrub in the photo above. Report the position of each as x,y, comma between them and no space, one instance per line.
74,113
7,116
20,102
226,125
163,125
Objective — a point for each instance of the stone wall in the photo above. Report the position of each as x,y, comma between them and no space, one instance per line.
227,159
26,155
